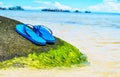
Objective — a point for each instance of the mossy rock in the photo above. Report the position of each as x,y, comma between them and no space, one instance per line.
16,51
14,45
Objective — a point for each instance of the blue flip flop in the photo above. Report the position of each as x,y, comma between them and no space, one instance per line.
45,33
29,34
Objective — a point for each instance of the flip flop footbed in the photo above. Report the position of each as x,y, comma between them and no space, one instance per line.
44,33
29,34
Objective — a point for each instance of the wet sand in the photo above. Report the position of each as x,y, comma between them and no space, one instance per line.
102,47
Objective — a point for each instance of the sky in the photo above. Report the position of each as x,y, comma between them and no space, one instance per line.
91,5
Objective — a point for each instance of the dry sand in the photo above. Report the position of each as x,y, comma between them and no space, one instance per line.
101,47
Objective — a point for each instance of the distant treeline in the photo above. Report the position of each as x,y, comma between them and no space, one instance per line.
61,10
12,8
55,10
46,10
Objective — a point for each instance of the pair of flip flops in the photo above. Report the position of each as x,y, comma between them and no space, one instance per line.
39,35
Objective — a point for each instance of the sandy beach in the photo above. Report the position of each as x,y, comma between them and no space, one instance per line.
101,46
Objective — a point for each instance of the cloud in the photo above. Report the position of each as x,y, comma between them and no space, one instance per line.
54,4
47,3
1,3
43,2
33,8
37,1
106,6
109,1
61,6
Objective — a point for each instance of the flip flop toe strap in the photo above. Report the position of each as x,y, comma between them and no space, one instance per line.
25,29
37,29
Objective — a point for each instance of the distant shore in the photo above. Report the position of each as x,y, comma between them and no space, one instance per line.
46,9
12,8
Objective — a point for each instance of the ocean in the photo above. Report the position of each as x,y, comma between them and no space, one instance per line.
105,25
76,19
95,34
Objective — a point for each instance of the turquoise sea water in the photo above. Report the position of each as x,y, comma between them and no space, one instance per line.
103,24
110,20
106,24
100,22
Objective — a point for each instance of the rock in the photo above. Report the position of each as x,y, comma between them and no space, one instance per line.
14,45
